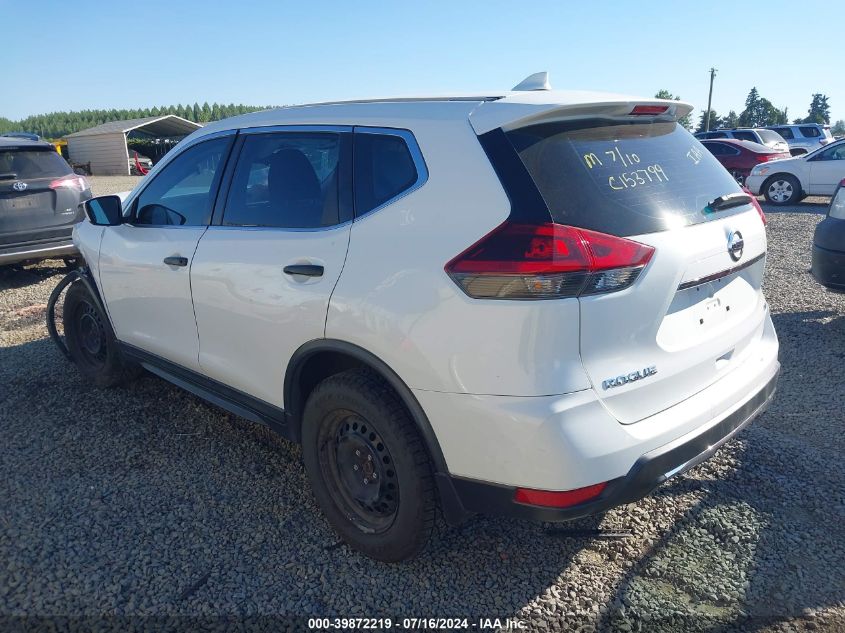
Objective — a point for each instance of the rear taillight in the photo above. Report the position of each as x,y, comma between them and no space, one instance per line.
547,261
77,183
756,204
765,158
558,499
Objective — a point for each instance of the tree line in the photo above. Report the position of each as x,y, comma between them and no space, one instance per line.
56,125
760,112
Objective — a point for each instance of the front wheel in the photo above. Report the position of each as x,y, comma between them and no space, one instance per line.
91,341
368,466
782,189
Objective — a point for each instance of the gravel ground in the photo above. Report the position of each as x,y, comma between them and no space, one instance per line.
145,501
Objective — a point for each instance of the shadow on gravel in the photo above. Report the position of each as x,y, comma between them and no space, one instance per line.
17,276
767,536
143,499
812,208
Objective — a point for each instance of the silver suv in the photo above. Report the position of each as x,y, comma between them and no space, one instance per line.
762,136
805,137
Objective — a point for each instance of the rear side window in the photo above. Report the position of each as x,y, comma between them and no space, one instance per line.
770,136
622,178
721,149
745,136
786,133
32,163
286,180
384,169
810,131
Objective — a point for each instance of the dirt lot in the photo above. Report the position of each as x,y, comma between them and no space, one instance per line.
145,501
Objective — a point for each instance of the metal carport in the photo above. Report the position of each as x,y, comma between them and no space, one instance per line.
104,146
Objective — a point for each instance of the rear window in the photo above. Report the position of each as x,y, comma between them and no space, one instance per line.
32,163
810,131
622,178
770,136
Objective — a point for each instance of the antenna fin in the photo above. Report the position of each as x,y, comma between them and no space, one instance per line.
537,81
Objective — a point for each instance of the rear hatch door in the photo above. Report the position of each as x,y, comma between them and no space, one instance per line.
697,307
30,208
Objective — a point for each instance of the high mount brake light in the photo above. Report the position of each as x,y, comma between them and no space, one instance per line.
78,183
547,261
649,110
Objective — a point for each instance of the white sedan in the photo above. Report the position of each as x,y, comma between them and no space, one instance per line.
789,181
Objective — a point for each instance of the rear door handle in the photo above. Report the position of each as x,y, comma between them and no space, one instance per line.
176,261
307,270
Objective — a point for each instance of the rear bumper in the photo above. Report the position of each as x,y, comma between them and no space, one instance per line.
648,472
828,267
15,253
493,445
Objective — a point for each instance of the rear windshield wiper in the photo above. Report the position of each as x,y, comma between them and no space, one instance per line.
728,201
8,176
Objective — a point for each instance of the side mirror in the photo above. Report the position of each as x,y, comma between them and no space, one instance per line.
104,210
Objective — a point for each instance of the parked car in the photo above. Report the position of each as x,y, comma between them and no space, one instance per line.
790,181
738,157
828,266
39,201
754,135
804,138
29,136
426,293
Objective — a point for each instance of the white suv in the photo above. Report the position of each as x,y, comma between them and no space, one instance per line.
534,303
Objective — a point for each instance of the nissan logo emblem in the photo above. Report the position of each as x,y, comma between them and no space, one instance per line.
735,245
19,186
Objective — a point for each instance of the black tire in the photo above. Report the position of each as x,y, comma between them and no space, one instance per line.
368,467
782,189
91,342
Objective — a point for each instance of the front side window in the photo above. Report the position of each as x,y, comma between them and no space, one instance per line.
286,180
182,194
810,131
384,169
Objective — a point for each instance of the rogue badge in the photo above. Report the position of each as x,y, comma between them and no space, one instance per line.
634,376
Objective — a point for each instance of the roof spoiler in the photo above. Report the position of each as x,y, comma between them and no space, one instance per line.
542,106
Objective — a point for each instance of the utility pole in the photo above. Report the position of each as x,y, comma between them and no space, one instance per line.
709,101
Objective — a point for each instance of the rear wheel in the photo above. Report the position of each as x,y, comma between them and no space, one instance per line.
782,189
91,341
368,467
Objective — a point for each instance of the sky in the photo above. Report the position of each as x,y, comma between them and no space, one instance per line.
144,53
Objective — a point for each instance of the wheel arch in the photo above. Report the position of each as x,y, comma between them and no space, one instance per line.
783,174
318,359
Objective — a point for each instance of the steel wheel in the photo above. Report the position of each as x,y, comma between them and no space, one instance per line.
357,464
91,334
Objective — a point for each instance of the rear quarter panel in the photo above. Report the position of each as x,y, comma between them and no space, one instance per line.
395,300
